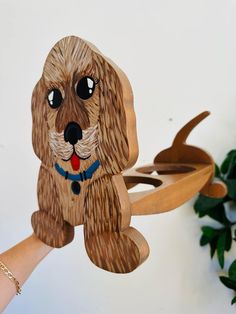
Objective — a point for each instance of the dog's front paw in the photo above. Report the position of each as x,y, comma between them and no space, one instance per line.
118,252
53,232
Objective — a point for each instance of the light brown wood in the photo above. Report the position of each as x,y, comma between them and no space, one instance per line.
84,133
182,170
173,191
102,126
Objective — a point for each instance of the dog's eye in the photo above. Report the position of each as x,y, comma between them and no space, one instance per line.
85,87
55,98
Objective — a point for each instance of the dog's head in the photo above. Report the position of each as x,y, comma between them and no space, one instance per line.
82,108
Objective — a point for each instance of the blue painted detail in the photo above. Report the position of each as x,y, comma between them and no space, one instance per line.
80,176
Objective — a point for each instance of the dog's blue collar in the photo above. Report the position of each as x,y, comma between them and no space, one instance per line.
82,176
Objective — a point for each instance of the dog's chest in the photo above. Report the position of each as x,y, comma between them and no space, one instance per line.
72,195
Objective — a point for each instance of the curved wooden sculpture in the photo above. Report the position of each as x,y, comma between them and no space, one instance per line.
182,170
84,133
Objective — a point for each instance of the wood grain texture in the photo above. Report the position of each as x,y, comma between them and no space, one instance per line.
181,171
102,204
107,245
84,133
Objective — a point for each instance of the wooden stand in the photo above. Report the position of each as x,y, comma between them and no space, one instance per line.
182,171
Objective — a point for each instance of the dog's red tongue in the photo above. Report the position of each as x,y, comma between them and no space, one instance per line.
75,162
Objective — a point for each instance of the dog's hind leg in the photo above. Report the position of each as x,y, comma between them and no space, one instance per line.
110,243
47,222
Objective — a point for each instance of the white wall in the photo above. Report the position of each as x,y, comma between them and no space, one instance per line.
180,59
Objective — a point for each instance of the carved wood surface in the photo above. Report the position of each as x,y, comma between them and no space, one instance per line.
84,133
181,171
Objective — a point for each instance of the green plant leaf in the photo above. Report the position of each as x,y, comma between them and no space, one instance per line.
210,232
220,240
213,245
217,171
204,203
228,239
226,163
232,152
232,169
231,174
231,284
204,240
231,185
233,301
221,243
211,236
218,213
232,271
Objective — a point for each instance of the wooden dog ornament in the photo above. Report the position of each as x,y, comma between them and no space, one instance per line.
84,133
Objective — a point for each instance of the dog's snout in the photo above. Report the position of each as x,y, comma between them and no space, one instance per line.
72,133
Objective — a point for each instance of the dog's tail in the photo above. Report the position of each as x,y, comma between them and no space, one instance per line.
184,132
177,151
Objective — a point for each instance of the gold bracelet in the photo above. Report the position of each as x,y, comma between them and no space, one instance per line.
9,274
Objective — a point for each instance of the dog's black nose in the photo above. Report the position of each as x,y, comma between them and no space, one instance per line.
72,133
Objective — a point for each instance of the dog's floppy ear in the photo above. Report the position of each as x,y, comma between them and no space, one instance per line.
117,139
40,137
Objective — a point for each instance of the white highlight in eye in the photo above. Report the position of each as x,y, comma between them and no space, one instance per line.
90,82
90,85
50,96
